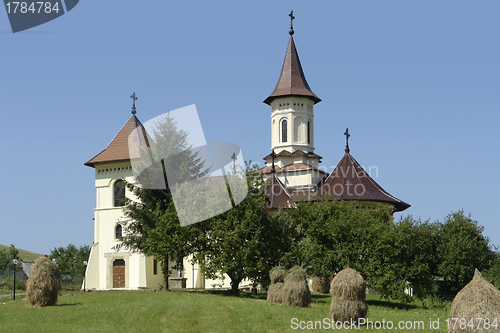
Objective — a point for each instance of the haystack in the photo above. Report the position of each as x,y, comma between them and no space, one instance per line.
348,290
274,292
44,283
320,284
277,274
478,299
295,290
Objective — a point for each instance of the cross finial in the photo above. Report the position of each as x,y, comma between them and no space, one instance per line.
133,102
233,157
291,32
273,155
347,135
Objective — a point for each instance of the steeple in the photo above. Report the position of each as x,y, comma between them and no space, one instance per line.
292,81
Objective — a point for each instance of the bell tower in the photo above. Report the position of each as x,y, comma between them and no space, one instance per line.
292,116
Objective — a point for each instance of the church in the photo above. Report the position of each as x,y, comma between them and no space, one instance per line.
292,170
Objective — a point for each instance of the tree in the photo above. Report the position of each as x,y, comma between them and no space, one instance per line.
244,242
6,257
333,235
462,248
151,224
414,251
70,259
493,274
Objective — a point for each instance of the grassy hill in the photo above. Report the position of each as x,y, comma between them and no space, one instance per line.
25,256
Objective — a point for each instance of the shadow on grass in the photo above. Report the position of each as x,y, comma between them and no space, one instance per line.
243,294
69,304
391,304
321,298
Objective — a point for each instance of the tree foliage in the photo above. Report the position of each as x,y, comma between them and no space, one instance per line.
6,257
151,224
70,259
244,242
462,248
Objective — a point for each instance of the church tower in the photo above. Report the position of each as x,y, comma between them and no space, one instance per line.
292,124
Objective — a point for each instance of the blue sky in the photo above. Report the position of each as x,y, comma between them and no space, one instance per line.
417,84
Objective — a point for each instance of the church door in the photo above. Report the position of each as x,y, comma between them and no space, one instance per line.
119,273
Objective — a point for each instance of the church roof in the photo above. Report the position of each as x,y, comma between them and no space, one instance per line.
286,153
118,148
349,181
292,81
278,195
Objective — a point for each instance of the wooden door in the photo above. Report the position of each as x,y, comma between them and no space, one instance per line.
119,273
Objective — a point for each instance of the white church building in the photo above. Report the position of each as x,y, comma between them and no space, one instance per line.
292,169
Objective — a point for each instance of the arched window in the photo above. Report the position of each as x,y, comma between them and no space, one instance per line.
284,131
308,132
119,192
118,231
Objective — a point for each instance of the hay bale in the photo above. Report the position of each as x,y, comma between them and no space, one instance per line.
274,292
277,274
478,299
44,283
348,290
295,291
320,284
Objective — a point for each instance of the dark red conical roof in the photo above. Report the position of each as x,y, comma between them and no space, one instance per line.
118,149
349,181
292,81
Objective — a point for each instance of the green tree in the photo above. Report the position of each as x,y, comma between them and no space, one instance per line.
332,235
493,274
244,242
462,248
151,224
414,252
70,259
6,257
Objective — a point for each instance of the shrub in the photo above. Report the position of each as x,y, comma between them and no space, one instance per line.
348,290
44,283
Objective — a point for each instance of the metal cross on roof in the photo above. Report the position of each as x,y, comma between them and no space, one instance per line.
133,102
291,22
233,157
347,135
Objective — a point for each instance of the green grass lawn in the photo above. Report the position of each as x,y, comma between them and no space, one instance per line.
149,311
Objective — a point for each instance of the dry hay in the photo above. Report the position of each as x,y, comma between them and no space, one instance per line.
295,290
44,283
274,292
277,274
320,284
348,290
478,299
